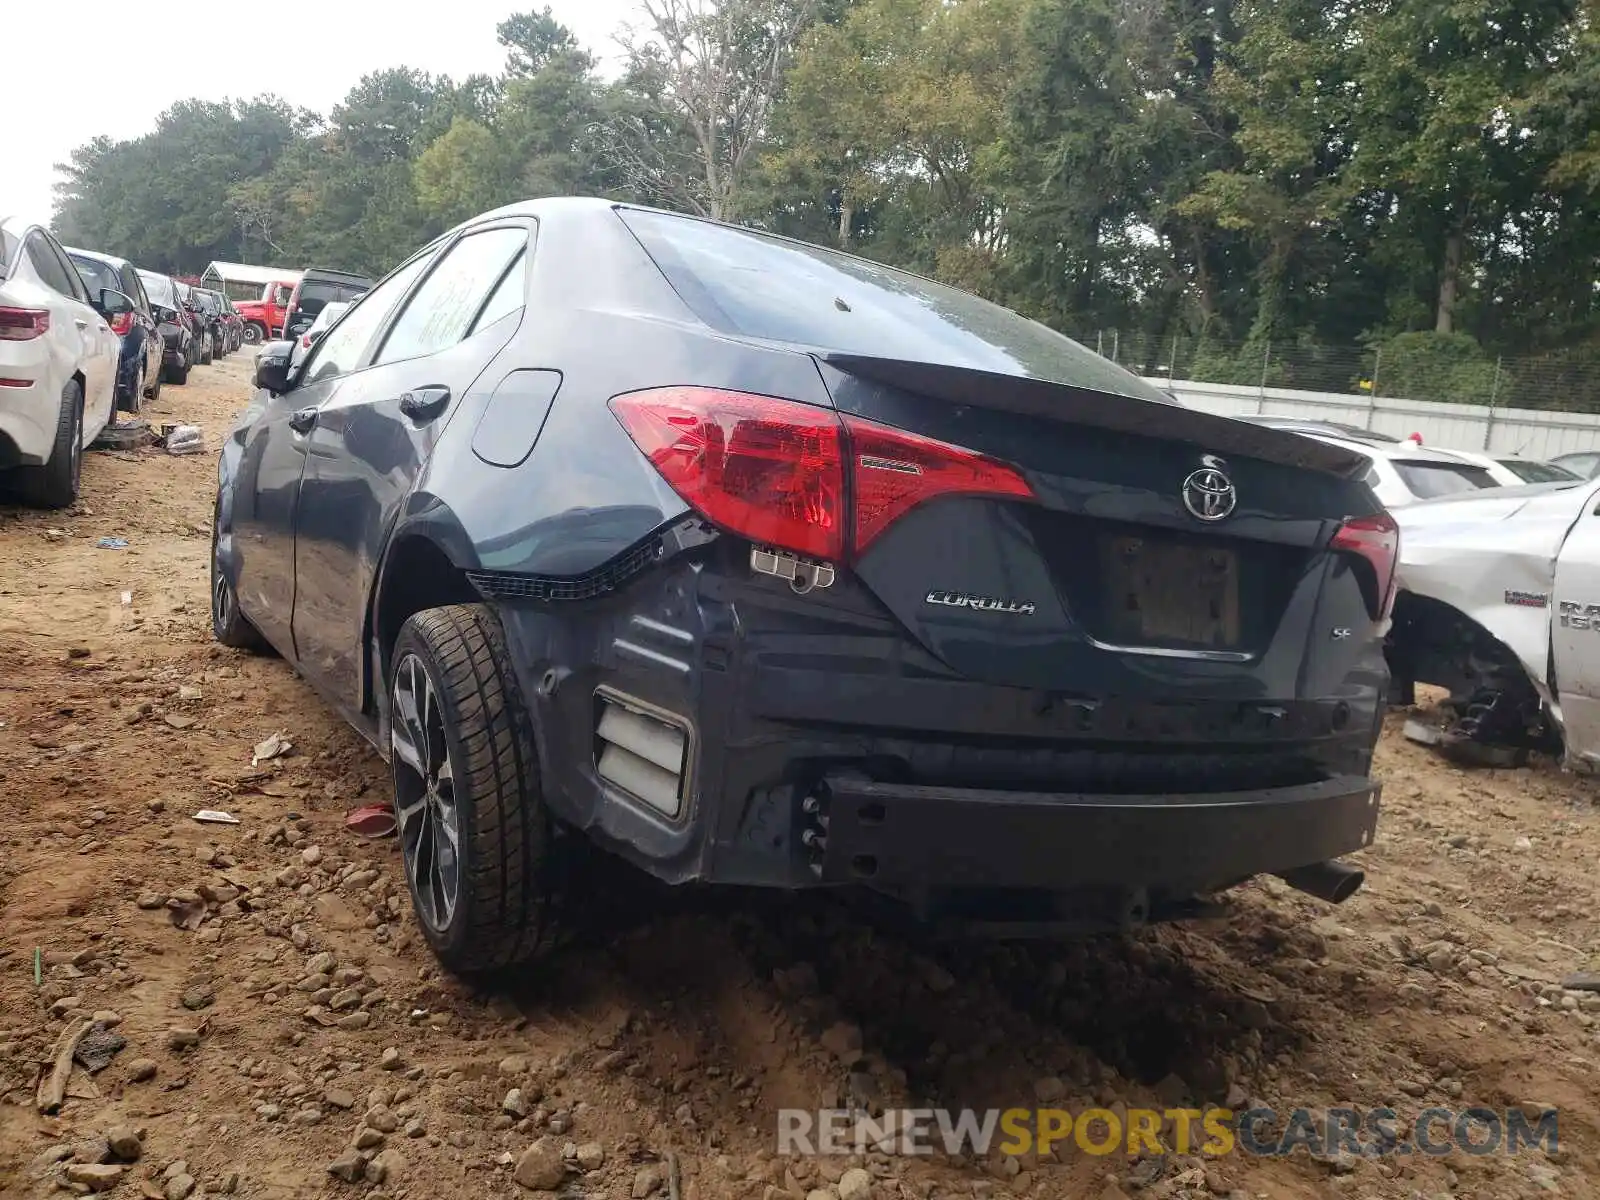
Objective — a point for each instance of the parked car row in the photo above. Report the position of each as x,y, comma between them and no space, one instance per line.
83,335
1404,472
287,309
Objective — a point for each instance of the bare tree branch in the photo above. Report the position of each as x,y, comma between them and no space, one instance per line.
715,67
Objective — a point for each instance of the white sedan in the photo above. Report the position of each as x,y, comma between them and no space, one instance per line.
1401,472
1514,470
331,312
58,364
1499,601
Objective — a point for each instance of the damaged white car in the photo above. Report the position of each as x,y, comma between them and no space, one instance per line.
1499,601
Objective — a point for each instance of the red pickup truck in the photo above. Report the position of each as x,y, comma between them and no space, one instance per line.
263,318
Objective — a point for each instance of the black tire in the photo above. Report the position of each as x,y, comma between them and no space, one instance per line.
502,914
154,392
180,374
228,625
205,352
255,333
134,400
55,484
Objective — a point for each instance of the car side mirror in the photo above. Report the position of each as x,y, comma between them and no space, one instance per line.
274,367
114,303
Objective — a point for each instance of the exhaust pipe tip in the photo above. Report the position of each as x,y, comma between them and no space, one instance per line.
1332,881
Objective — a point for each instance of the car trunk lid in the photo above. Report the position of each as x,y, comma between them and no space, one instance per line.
1164,550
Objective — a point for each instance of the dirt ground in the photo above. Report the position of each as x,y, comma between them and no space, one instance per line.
280,1016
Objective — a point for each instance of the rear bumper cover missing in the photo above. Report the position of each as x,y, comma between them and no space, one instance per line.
800,713
907,835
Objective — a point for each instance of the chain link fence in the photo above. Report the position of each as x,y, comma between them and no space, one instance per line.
1448,369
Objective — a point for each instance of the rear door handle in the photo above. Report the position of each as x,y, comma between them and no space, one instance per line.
302,420
425,404
80,323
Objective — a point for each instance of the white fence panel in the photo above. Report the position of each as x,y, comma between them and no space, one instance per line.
1533,432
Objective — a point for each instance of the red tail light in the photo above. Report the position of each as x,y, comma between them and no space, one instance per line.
769,470
894,471
774,471
1376,540
23,324
121,323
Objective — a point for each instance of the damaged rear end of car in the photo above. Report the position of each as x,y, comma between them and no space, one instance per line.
948,608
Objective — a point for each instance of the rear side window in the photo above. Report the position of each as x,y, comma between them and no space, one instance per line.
1537,472
508,296
96,275
159,289
442,310
8,251
750,284
1582,464
48,267
1427,480
135,290
313,296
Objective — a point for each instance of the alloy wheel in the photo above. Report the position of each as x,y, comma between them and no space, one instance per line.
425,795
221,591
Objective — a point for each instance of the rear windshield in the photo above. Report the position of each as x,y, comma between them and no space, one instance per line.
158,288
749,284
1428,479
96,275
314,295
1537,472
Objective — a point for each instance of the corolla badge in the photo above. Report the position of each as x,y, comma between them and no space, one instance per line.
1208,493
981,603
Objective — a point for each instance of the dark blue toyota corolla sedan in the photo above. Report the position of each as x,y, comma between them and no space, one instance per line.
755,563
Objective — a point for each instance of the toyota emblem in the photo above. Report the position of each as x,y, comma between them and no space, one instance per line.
1208,493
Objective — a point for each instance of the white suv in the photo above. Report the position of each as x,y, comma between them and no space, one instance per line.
58,364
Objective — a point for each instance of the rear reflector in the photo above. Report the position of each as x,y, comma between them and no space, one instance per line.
774,470
23,324
1376,540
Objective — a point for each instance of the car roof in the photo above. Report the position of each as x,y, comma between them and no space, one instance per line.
316,273
1395,451
553,206
109,259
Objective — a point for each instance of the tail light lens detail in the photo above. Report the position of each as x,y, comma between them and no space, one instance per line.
775,471
1376,540
121,323
23,324
894,471
766,469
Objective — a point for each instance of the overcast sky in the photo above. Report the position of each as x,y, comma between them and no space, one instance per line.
311,55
